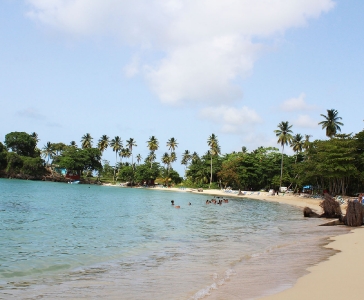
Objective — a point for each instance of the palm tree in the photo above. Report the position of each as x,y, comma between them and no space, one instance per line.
213,143
284,137
297,144
125,153
86,141
153,143
151,157
139,158
194,157
103,143
186,158
48,152
172,144
34,135
306,143
331,122
166,159
116,144
130,144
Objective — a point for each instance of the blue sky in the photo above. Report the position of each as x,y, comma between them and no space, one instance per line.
182,69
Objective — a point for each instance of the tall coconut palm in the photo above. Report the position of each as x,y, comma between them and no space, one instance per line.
284,137
306,143
166,159
130,143
186,158
151,158
86,141
195,157
331,122
48,151
116,144
297,144
172,144
103,143
213,143
139,158
125,153
153,143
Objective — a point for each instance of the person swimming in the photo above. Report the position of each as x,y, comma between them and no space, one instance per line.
172,202
189,203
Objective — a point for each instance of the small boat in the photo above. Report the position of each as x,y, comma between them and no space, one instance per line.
74,182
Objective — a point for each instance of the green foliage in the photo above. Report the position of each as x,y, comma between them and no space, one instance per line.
80,159
147,172
14,163
126,173
32,166
21,143
3,154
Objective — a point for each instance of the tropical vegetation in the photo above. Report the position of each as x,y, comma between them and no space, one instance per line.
335,164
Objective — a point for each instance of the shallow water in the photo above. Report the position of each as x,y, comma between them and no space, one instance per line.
91,242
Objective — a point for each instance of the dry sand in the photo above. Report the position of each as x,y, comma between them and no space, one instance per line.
337,278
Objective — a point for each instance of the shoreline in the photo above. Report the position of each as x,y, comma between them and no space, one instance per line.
324,280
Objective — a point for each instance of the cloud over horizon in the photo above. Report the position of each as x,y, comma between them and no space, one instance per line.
231,119
297,104
198,50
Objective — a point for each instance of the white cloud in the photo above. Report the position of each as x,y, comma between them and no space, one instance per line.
133,67
305,121
205,45
297,104
231,119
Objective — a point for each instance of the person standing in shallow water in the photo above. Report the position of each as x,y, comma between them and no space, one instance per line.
172,202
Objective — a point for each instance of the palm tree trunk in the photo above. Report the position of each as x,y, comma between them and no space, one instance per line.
280,184
210,171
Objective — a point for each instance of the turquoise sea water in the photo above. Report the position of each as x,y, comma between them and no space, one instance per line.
91,242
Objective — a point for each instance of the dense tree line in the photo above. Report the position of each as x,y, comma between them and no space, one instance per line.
336,164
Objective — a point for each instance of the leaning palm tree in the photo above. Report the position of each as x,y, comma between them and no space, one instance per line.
297,144
284,137
130,143
86,141
103,143
48,151
331,122
116,144
213,143
139,158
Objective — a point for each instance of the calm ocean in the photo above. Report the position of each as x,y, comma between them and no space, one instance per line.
93,242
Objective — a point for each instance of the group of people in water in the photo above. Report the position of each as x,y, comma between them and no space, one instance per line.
213,201
219,201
